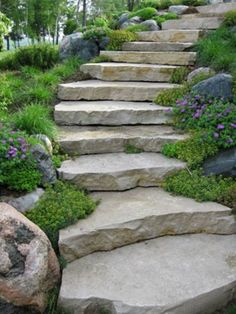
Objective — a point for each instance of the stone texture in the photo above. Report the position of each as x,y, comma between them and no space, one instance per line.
123,218
110,113
123,18
118,171
220,85
99,140
187,36
44,164
171,58
217,9
156,46
193,23
109,71
175,275
178,9
223,163
199,71
152,25
100,90
29,267
46,142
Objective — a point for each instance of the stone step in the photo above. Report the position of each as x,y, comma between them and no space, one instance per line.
109,71
217,9
193,23
118,171
123,218
172,35
155,46
100,90
99,140
188,274
110,113
169,58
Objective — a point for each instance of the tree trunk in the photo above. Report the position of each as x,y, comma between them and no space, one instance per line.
84,12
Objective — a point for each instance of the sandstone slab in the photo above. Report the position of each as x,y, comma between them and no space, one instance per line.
156,46
118,171
123,91
175,275
110,113
123,218
193,23
109,71
99,140
185,36
217,9
29,266
171,58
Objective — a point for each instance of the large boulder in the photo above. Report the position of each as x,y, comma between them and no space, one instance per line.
123,18
29,268
223,163
178,9
197,72
75,45
151,24
219,86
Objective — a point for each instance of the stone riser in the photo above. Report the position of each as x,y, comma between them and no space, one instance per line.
128,72
193,23
171,36
155,46
169,58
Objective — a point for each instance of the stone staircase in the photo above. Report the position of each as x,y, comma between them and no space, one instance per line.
143,251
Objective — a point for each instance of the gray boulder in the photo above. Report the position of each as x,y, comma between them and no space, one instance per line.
152,25
136,20
123,18
192,75
75,45
222,163
219,86
178,9
127,24
45,164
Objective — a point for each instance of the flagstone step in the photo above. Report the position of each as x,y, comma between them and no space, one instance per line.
188,274
118,171
99,140
100,90
123,218
193,23
169,58
109,71
217,9
155,46
172,35
110,113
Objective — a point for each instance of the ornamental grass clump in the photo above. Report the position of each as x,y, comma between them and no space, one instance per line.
215,118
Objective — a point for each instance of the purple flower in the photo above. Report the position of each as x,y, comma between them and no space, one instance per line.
233,125
4,142
230,141
220,126
216,135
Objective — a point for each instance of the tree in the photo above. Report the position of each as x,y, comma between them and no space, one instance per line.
5,25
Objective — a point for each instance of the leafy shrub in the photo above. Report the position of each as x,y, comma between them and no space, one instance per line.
162,18
100,22
194,2
96,33
42,56
59,207
168,97
230,18
137,28
179,75
18,169
70,26
144,14
201,188
35,119
215,117
193,150
119,37
5,25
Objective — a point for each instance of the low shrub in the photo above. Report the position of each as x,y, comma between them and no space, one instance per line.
162,18
194,2
35,119
60,206
144,14
179,75
96,33
168,97
100,22
119,37
137,28
230,18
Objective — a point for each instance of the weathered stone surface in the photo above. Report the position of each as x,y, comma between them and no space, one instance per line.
100,90
171,35
217,8
223,163
109,71
110,113
26,202
220,85
127,24
199,71
155,46
99,140
193,23
118,171
123,18
175,275
46,142
28,268
152,25
171,58
44,164
128,217
136,20
178,9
